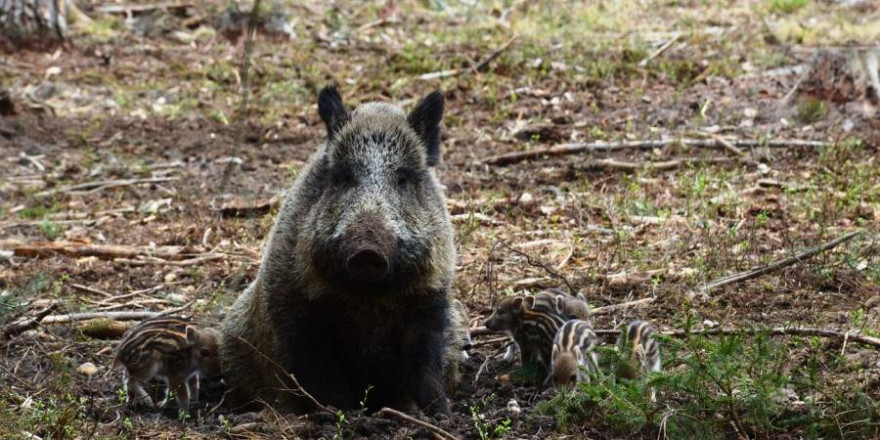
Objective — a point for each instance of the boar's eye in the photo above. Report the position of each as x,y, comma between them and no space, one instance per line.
405,179
205,353
573,378
342,179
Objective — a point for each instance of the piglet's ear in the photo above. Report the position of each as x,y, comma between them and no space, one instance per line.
192,335
530,302
517,303
425,120
332,110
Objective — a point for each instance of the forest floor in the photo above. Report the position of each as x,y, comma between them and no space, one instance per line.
132,136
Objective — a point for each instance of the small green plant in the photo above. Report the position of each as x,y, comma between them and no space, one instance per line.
340,424
486,430
787,6
811,110
51,230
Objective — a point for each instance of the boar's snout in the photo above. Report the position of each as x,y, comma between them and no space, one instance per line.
367,265
369,247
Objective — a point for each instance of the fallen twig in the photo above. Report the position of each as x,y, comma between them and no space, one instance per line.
535,263
754,273
575,148
77,249
17,328
775,331
238,208
659,51
480,331
401,416
91,290
607,309
489,342
479,67
153,261
90,187
485,363
125,9
74,317
616,165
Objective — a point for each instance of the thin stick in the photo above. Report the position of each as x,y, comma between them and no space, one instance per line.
489,342
162,262
299,387
401,416
485,363
616,165
607,309
89,187
477,68
575,148
747,275
775,331
91,290
729,147
480,331
485,63
534,263
21,327
119,316
659,51
103,251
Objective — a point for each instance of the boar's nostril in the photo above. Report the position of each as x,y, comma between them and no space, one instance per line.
367,265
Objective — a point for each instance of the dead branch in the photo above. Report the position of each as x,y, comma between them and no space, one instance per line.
576,148
17,328
535,263
77,249
153,261
850,336
479,67
659,51
126,9
493,355
615,165
91,290
248,209
489,342
91,187
480,331
475,216
754,273
401,416
607,309
485,63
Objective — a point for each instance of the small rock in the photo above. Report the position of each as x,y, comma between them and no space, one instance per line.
88,368
513,407
170,277
175,298
526,199
750,113
504,378
710,323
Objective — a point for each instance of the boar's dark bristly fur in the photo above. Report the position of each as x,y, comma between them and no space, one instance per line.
353,289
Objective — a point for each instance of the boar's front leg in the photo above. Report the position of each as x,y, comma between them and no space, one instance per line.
424,351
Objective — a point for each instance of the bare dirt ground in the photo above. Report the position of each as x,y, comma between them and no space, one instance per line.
152,99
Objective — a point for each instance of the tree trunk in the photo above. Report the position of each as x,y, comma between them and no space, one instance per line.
37,21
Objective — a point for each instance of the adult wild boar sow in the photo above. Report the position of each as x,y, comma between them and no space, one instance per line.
353,289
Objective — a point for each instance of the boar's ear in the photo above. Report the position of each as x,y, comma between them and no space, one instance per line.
425,120
331,109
